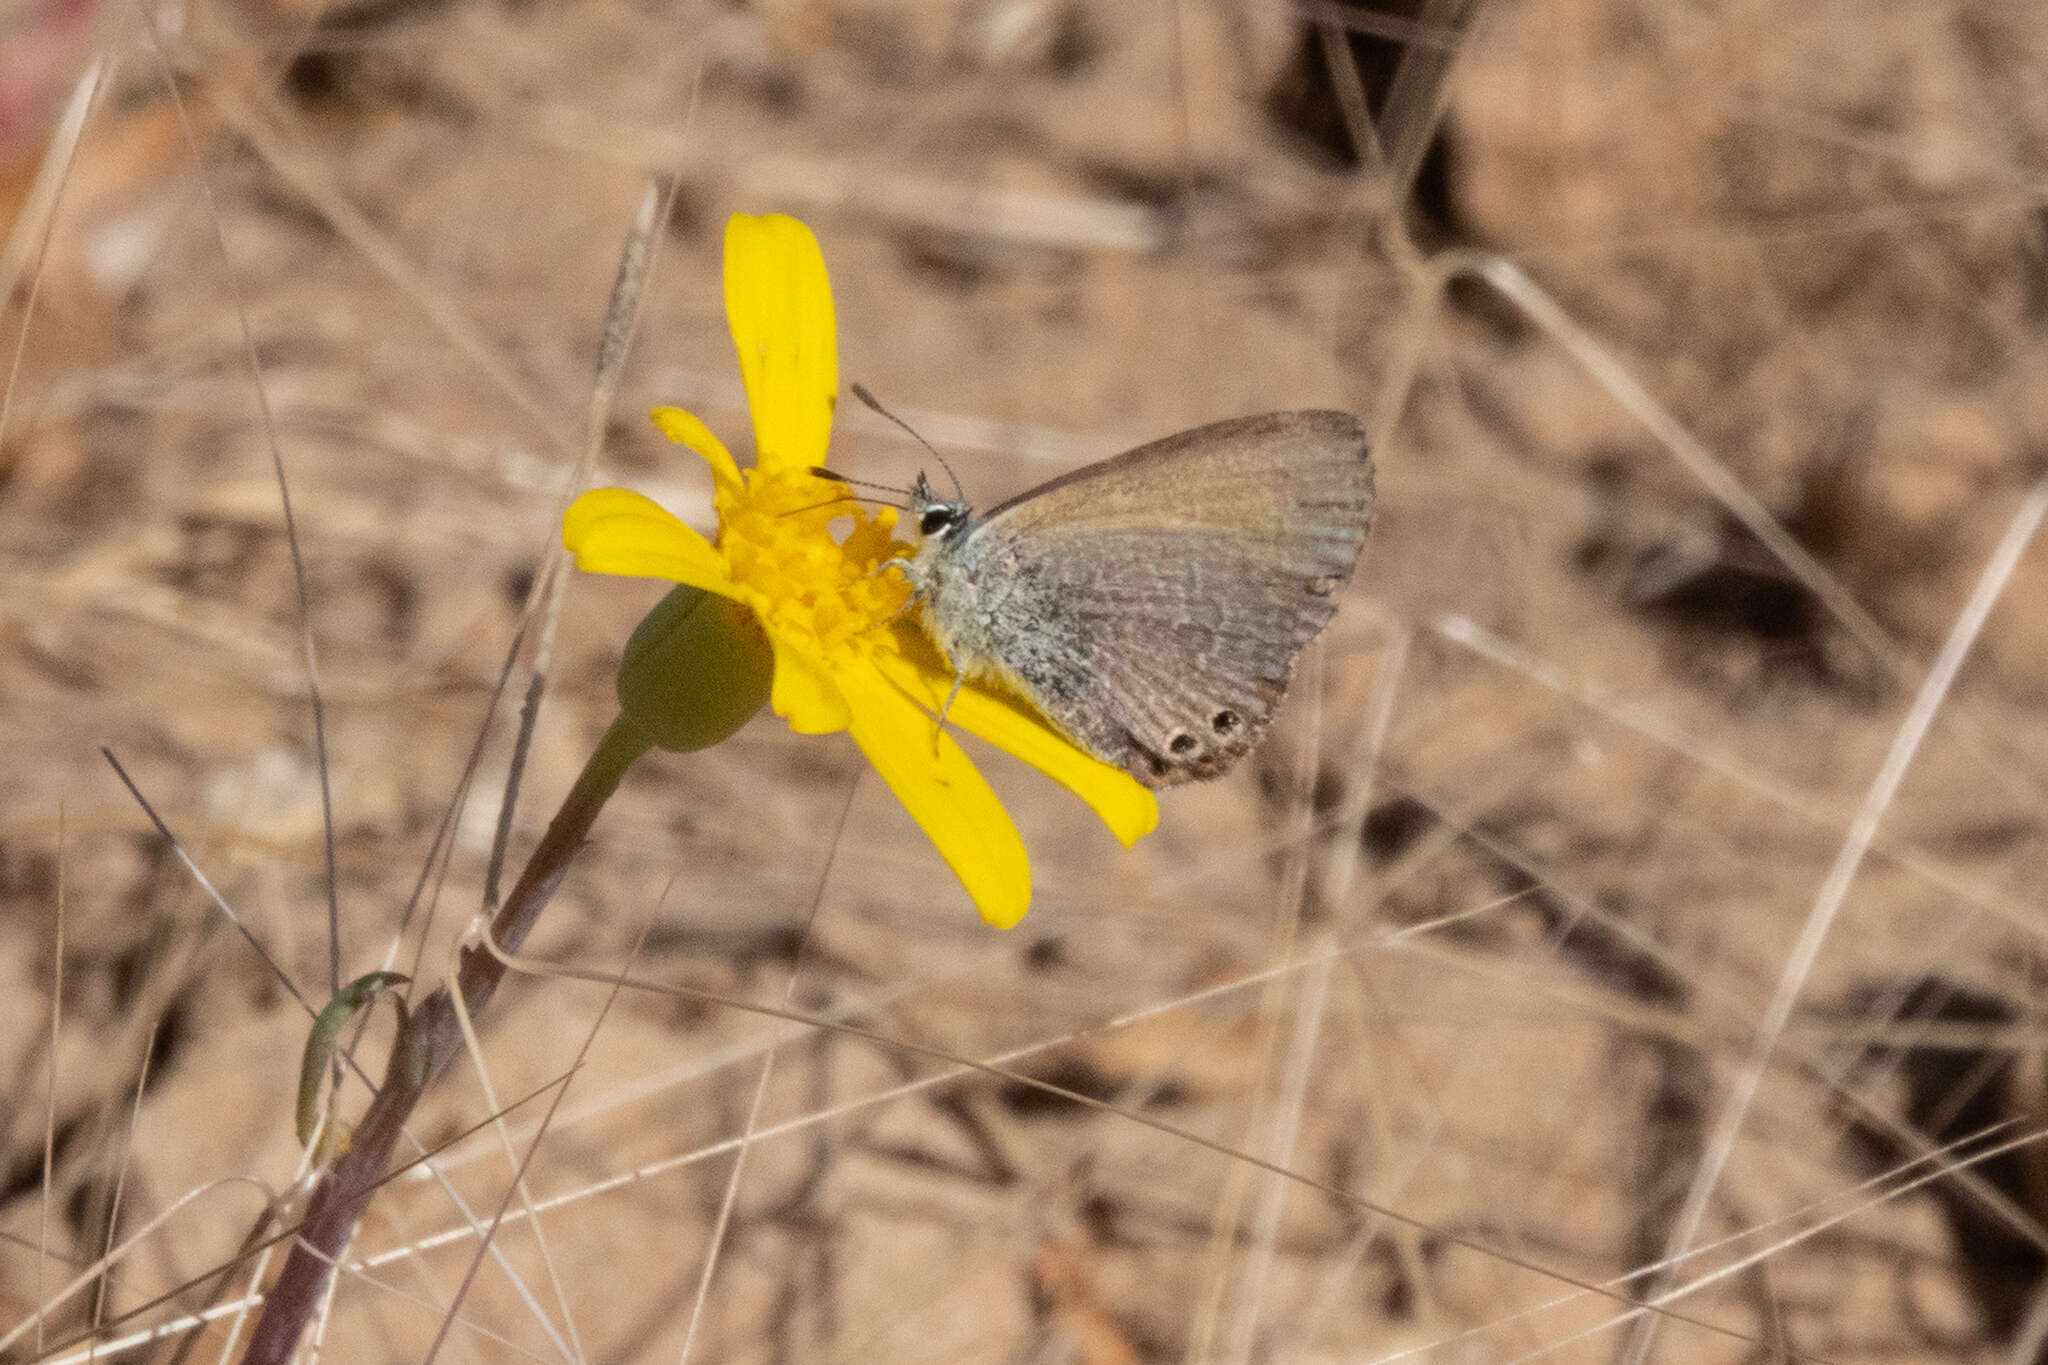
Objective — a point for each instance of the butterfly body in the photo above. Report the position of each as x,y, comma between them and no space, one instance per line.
1152,606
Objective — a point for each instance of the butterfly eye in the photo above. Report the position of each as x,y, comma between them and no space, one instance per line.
936,519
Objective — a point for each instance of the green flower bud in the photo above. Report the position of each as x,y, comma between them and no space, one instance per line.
695,670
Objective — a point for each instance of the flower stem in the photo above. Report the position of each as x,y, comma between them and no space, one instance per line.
423,1050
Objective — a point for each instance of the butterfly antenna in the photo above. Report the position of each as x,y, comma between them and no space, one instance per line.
876,407
901,494
812,507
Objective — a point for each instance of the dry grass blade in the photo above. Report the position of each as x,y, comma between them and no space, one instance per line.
622,313
121,1167
1699,351
28,236
50,1087
273,444
516,1187
1827,902
1234,1155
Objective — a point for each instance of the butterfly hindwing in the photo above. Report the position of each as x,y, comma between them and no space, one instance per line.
1153,605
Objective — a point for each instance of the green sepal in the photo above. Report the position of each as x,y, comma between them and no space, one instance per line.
350,1000
696,669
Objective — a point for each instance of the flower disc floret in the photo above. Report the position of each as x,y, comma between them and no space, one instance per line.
823,592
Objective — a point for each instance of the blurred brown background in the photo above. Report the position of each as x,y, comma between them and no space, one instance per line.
1702,347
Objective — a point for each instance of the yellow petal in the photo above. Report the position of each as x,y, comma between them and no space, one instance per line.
778,302
686,430
1125,805
612,530
939,786
805,694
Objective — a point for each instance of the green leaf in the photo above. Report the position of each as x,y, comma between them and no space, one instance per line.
353,998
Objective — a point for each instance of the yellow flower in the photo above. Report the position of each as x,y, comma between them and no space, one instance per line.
846,655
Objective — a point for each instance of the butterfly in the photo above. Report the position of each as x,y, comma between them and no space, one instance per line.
1153,605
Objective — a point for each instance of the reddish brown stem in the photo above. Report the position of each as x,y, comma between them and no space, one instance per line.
424,1049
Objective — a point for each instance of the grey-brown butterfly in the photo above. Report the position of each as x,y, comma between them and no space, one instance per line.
1152,606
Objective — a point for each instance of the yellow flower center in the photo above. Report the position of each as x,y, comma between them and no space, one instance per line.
807,585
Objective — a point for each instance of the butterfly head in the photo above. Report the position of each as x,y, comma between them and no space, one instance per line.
937,518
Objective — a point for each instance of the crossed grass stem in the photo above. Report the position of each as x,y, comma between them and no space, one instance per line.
428,1042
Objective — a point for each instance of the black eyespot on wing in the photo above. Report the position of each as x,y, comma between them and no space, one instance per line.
1182,743
1223,722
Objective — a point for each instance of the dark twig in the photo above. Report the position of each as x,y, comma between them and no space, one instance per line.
273,444
263,1238
424,1049
213,894
441,848
432,1037
501,837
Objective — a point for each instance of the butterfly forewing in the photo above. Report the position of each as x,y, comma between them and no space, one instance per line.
1154,604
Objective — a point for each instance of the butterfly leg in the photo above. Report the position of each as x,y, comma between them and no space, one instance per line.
939,725
917,595
894,562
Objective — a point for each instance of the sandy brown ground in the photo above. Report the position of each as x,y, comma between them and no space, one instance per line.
1705,381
